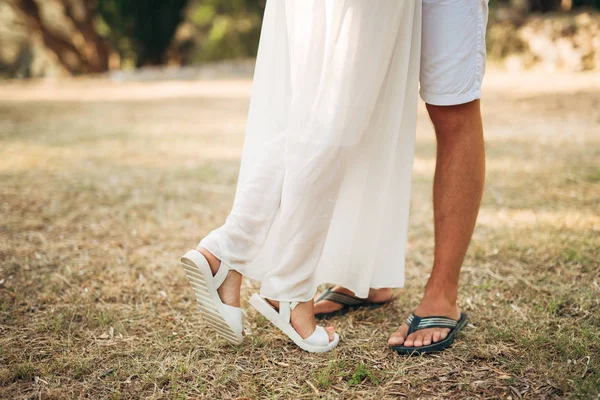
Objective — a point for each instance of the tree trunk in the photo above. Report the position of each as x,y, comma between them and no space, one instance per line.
544,5
91,56
95,49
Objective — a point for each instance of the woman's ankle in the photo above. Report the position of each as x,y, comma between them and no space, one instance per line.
213,261
229,291
303,319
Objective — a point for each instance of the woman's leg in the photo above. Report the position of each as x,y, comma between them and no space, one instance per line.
336,82
326,128
258,193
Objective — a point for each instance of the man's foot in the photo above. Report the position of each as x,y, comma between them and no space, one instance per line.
303,319
326,306
229,292
430,306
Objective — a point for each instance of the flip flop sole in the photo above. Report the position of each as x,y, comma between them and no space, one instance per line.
210,306
264,308
434,347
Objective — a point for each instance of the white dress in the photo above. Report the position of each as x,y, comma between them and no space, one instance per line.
324,186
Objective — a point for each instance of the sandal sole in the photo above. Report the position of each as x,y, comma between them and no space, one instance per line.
209,304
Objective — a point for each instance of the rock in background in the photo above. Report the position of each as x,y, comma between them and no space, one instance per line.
550,41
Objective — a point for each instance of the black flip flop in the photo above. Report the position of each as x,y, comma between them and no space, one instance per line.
348,303
417,323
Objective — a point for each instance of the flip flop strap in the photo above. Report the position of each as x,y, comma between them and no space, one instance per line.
341,298
416,323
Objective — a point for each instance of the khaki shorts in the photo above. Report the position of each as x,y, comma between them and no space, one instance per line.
453,51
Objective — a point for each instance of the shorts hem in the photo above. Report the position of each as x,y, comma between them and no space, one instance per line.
450,99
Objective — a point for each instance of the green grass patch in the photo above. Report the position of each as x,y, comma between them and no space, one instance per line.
593,176
361,374
23,372
325,377
572,255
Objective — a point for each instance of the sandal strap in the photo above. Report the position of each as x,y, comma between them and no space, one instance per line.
416,323
341,298
221,275
285,310
319,337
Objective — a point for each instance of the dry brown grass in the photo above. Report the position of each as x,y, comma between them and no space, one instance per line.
104,186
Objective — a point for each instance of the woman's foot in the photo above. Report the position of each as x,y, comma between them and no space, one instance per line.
217,292
375,296
229,292
303,319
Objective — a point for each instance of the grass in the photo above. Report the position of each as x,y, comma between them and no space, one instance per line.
103,188
361,374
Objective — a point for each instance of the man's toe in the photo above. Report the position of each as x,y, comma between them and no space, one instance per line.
444,334
419,340
436,337
398,337
410,340
426,338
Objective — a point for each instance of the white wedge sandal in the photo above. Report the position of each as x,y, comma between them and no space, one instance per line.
224,319
318,342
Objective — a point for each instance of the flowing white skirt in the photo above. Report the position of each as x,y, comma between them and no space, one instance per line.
324,186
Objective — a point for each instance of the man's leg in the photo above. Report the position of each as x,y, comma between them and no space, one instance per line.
452,68
457,190
458,185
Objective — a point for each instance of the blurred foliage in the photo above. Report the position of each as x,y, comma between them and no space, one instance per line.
141,30
545,5
152,32
135,33
225,28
